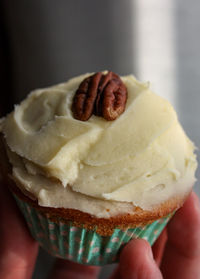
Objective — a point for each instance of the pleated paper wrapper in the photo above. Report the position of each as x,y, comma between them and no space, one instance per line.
81,245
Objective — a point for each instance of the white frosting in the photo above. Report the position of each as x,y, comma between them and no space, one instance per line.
143,158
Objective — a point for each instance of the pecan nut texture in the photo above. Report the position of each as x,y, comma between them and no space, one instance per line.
102,95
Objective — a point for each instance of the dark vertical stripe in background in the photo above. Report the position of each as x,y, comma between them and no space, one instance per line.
6,90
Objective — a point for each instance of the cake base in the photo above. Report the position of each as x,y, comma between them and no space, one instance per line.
81,245
104,226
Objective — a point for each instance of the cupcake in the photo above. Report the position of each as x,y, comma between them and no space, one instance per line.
95,162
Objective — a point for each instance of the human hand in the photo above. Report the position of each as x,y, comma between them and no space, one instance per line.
176,252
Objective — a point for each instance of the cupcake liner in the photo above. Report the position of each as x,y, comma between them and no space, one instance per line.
81,245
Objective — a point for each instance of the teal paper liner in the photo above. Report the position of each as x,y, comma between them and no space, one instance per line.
81,245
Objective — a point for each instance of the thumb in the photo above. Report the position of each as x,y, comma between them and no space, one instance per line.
136,261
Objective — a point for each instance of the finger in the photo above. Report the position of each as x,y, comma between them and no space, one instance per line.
18,250
159,246
64,269
136,261
182,255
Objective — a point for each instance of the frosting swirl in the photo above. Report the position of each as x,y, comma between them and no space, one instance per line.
143,158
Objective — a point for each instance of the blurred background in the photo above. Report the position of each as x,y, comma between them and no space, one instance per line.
47,42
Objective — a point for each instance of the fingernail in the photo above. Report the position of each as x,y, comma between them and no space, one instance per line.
150,254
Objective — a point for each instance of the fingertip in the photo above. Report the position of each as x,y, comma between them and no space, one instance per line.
182,253
193,200
137,259
184,228
11,217
18,250
137,246
188,215
159,247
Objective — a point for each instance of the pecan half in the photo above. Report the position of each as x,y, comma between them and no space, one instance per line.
85,97
103,95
